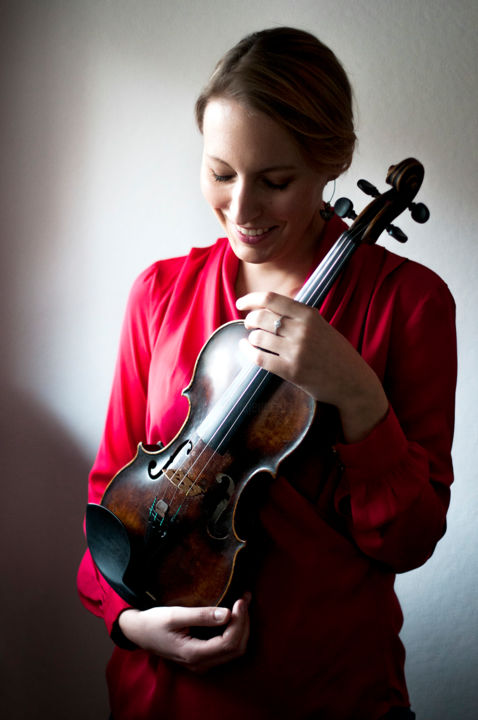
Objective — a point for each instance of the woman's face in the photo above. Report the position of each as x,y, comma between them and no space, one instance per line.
264,193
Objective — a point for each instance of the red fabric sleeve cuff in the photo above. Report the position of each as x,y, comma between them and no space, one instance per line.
377,453
113,607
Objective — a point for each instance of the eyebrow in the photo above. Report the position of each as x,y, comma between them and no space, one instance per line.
271,168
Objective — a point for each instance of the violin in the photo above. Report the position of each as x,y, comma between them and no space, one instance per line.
166,530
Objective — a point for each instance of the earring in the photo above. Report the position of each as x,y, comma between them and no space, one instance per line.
327,211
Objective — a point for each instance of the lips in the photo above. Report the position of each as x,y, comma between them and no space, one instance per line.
252,232
252,235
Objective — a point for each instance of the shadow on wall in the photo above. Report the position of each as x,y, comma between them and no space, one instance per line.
50,668
52,652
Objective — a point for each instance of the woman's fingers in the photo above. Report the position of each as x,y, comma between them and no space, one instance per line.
267,320
279,304
280,327
316,357
305,350
202,655
199,617
167,631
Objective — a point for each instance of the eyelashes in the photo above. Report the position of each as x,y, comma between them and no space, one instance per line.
220,178
277,186
268,183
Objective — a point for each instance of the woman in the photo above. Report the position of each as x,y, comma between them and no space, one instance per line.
365,495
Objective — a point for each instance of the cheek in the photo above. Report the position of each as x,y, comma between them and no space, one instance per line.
213,193
293,208
305,205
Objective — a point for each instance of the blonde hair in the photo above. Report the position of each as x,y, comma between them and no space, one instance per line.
296,80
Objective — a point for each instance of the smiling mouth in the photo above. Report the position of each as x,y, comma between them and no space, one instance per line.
252,234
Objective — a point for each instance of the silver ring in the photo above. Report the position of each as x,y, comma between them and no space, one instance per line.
277,324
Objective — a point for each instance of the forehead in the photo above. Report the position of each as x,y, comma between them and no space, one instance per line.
240,136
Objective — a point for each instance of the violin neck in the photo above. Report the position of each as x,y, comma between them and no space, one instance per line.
315,289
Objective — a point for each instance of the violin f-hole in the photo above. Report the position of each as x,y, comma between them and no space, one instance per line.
220,496
153,463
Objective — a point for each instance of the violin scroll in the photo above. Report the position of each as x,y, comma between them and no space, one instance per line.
406,179
409,174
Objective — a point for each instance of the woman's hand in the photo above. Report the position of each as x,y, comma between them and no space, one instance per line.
165,631
311,354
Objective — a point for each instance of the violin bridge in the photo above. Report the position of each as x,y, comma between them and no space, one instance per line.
183,482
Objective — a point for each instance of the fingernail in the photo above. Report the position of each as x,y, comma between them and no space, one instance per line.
239,303
220,614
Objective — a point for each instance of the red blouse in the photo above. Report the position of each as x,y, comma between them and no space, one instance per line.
338,521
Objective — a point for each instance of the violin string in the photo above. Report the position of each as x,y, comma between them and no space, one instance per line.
339,251
230,392
332,262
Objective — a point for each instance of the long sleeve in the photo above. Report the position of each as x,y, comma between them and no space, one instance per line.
163,331
124,428
395,483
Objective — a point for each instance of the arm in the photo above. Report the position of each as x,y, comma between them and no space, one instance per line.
124,428
395,483
396,465
163,631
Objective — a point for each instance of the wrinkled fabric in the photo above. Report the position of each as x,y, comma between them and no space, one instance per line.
339,520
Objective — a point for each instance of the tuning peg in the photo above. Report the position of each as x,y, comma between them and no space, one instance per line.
367,187
344,208
397,234
420,213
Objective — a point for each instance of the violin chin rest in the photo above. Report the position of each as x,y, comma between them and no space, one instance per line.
110,549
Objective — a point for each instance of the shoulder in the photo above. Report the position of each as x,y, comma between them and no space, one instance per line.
158,281
412,304
381,271
416,286
407,281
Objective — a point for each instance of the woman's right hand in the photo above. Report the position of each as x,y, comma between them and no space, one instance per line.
165,631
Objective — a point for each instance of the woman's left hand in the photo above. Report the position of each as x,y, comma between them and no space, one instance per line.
308,352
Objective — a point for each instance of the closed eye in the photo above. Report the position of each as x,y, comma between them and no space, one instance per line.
220,178
277,186
269,183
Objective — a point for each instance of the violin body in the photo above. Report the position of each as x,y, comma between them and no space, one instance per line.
166,531
178,505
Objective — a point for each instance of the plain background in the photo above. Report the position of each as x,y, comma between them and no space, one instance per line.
99,165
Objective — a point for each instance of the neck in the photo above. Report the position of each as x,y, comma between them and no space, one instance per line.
251,278
282,278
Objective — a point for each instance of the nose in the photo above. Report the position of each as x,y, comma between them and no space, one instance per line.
244,205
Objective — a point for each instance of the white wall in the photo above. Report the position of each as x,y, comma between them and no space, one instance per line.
100,165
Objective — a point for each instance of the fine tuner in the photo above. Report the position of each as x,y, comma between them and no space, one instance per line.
345,209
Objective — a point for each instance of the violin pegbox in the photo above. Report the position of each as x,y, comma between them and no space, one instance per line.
405,178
